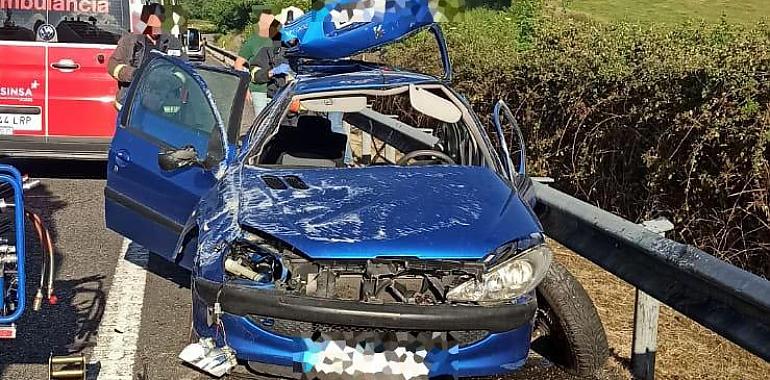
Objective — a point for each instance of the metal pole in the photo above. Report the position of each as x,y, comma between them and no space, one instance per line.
646,311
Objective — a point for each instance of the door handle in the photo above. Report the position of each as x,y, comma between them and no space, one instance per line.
66,65
122,158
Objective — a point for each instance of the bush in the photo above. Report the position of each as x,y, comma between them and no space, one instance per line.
640,120
235,15
227,15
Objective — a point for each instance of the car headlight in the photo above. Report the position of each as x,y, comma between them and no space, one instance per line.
507,280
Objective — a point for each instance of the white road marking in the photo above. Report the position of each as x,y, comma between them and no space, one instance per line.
115,349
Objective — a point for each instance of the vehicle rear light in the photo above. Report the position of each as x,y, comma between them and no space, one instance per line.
8,332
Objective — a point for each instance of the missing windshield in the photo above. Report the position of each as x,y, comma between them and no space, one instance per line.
404,126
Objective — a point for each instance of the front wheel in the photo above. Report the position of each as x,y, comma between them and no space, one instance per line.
568,331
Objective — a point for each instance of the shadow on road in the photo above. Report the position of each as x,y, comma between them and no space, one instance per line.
139,256
70,325
71,169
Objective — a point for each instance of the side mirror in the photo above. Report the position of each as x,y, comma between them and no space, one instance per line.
174,159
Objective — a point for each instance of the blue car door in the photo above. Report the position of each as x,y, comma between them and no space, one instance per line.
177,128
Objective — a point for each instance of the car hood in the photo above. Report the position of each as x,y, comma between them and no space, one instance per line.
434,212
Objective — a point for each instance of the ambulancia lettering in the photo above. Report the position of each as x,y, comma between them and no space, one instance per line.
86,6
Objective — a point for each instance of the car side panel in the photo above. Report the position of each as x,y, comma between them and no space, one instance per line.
22,87
145,204
81,101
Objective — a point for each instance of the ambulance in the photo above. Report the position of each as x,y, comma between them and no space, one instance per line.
56,97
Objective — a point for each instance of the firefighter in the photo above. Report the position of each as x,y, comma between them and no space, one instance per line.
133,48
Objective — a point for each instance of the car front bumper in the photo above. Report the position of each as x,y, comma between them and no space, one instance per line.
274,332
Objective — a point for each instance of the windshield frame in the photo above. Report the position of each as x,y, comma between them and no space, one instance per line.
267,127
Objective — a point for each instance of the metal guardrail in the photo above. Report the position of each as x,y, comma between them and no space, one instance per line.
727,300
222,55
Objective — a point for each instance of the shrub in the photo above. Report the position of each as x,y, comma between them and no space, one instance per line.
640,120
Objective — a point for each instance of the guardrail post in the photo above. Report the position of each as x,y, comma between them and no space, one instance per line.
646,310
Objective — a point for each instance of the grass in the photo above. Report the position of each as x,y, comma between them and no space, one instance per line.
671,11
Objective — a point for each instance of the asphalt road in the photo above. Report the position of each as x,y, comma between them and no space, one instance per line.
125,310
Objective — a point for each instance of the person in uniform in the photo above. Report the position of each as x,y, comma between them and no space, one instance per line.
251,47
269,66
133,48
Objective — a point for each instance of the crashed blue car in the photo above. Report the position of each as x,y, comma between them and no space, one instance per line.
366,224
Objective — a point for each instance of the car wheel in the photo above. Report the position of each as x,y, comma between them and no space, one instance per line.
568,331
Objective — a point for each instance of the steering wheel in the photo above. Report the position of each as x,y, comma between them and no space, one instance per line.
425,153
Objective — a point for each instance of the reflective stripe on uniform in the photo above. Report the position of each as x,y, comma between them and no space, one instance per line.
117,70
181,76
253,72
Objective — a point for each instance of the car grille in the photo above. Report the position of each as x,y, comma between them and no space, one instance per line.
290,328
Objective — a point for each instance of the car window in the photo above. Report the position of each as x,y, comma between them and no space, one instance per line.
193,38
224,89
19,25
89,22
170,107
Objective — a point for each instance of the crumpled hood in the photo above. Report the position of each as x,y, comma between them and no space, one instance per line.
430,212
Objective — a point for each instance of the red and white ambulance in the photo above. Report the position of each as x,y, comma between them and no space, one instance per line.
56,97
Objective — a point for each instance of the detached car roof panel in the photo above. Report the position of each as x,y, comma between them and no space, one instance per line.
329,33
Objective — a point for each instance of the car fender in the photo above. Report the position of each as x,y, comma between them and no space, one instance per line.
189,231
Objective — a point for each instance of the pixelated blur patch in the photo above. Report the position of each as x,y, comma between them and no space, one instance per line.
368,355
344,12
448,10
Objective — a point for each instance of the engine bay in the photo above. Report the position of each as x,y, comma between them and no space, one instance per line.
381,280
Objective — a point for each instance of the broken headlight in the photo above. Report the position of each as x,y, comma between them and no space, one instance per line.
505,281
256,260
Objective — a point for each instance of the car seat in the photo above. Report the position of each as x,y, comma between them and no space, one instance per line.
311,143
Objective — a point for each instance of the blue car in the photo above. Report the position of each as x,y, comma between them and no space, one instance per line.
366,224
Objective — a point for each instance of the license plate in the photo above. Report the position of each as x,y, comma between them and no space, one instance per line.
19,118
342,355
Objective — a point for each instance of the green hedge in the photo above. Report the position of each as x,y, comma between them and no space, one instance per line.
235,15
641,120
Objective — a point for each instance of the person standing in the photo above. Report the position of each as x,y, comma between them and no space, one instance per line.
269,66
133,48
249,51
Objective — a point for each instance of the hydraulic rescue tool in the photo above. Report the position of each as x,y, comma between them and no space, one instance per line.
13,252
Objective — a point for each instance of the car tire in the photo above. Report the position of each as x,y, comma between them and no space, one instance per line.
568,331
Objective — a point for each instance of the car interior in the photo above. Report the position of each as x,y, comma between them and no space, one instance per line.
404,126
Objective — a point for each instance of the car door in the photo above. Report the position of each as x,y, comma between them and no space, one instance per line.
77,75
172,137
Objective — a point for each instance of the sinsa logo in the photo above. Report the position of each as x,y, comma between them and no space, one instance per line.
85,6
20,93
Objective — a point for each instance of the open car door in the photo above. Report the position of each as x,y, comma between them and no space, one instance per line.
178,126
